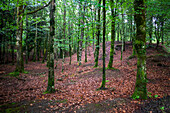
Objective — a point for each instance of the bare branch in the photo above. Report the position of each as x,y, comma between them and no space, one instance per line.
31,12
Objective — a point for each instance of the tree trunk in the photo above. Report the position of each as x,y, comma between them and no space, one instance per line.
82,34
35,42
117,32
98,37
26,58
104,31
20,62
45,49
140,45
70,52
78,42
112,35
12,47
50,87
162,33
64,33
150,30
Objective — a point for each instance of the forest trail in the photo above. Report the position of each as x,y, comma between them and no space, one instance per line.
76,86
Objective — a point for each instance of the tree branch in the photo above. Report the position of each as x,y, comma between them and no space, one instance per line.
31,12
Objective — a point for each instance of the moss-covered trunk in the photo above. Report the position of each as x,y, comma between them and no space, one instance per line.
104,32
20,62
112,35
50,87
140,45
98,37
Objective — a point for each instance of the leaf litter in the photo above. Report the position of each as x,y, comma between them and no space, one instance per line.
76,86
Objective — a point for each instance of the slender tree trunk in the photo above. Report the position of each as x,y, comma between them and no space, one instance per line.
64,33
35,42
26,58
98,37
104,31
117,32
162,33
50,87
112,35
45,49
82,34
157,35
140,45
12,47
92,23
150,30
78,42
86,48
70,52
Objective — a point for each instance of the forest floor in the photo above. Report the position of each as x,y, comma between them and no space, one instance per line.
76,86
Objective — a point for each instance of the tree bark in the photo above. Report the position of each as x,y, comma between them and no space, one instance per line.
98,37
20,62
140,45
82,33
104,31
150,30
112,35
50,87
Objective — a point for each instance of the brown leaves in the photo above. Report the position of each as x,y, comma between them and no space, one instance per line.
79,83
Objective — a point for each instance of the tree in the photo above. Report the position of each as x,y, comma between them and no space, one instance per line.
98,37
112,34
140,45
20,62
50,87
82,31
104,31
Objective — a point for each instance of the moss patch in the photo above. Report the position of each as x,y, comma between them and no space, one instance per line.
13,74
11,108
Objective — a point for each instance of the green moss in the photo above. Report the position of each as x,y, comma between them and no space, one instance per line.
112,68
46,92
11,108
13,74
25,72
131,57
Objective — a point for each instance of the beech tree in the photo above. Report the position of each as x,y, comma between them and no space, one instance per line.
98,37
104,49
50,87
112,34
140,46
19,31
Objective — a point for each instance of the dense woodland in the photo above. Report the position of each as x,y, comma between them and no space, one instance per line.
84,56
